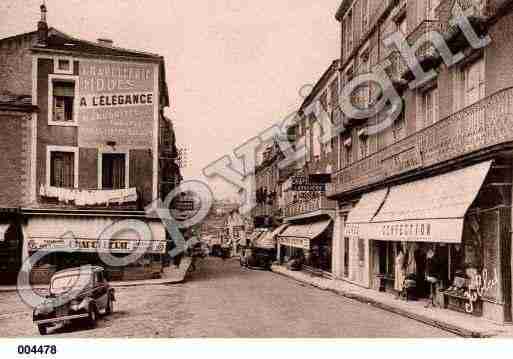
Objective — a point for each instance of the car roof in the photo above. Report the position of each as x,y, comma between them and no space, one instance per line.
91,269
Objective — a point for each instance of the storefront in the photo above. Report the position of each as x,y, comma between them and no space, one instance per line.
310,241
73,241
11,243
446,238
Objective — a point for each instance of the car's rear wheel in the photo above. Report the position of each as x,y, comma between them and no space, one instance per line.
91,320
43,329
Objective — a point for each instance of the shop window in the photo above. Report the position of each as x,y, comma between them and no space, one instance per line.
346,257
62,101
361,251
62,171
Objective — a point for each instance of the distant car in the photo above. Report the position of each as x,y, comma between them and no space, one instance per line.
75,295
257,258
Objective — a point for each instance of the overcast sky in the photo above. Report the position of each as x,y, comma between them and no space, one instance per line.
234,67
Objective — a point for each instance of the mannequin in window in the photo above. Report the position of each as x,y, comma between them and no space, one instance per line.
400,271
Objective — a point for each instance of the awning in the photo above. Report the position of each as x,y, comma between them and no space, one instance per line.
3,231
269,239
300,235
429,210
363,213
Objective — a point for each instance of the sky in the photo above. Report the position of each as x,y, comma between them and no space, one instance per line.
234,67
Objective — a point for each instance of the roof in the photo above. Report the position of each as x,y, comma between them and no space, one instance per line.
78,269
321,83
342,9
58,40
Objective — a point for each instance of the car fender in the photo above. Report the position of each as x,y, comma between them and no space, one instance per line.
86,302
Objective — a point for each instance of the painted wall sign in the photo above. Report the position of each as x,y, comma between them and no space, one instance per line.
116,104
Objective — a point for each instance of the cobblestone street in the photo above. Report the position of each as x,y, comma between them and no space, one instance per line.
222,300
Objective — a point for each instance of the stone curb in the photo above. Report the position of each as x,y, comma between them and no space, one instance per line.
448,327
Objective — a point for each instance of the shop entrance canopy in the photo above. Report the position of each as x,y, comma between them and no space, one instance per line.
363,213
429,210
300,235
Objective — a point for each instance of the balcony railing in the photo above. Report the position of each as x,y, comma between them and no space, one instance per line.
304,207
482,125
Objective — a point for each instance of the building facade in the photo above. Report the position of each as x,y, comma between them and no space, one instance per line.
308,213
96,149
426,201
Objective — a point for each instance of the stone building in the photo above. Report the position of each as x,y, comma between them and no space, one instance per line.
309,215
428,197
87,146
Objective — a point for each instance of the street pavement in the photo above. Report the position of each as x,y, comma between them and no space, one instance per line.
222,300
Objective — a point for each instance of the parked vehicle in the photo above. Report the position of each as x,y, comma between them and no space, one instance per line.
257,258
75,295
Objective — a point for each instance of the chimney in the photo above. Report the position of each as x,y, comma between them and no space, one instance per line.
106,42
42,28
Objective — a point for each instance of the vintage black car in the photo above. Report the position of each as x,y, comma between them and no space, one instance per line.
257,258
76,295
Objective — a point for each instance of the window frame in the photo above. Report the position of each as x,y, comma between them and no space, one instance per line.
64,78
56,69
105,151
68,149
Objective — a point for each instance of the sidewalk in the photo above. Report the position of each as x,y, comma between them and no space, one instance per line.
451,321
171,275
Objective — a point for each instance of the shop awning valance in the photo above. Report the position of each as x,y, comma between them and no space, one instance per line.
429,210
300,235
363,213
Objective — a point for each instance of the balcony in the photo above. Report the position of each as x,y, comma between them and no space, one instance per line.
481,126
306,208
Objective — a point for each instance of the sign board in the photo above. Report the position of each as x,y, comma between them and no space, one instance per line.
302,184
323,178
94,245
116,103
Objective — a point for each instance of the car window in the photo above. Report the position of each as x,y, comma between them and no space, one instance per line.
63,284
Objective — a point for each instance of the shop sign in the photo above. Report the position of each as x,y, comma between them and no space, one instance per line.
429,230
302,243
303,184
94,245
477,289
116,103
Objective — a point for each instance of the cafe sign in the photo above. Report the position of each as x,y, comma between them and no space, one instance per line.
98,246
